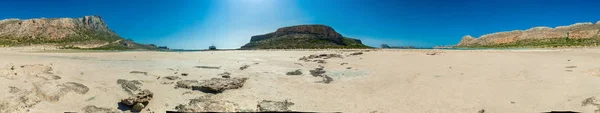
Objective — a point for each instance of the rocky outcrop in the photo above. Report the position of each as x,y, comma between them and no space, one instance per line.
303,36
586,30
84,32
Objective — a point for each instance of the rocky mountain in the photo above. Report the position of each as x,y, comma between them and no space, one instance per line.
89,32
303,36
579,34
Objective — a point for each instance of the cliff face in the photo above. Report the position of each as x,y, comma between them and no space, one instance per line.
582,31
84,32
303,36
88,27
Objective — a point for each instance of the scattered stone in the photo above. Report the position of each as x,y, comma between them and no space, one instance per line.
95,109
206,104
481,111
167,82
326,79
568,60
590,101
320,72
138,107
271,106
296,72
244,67
569,70
357,53
186,84
91,98
343,63
323,56
348,67
129,86
208,67
171,77
75,87
139,101
431,53
139,72
187,92
224,74
13,89
218,85
375,111
571,67
317,72
184,74
320,61
12,67
511,102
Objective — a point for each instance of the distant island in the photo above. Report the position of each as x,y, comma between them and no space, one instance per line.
88,32
385,46
303,37
579,34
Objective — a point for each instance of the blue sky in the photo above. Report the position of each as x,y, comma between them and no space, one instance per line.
196,24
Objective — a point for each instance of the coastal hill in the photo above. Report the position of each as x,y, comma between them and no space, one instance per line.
579,34
88,32
303,37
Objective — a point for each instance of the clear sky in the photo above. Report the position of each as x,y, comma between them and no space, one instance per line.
196,24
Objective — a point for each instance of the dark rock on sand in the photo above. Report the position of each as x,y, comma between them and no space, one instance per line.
208,67
186,83
95,109
320,61
224,74
13,89
130,86
326,79
356,53
296,72
244,67
218,85
171,77
184,74
270,106
206,104
317,56
320,72
75,87
139,72
317,72
139,101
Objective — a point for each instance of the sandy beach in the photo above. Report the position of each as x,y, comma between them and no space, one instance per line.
377,81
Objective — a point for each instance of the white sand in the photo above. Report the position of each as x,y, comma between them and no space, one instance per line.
389,81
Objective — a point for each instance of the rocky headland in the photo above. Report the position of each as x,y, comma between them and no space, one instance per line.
579,34
303,37
88,32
